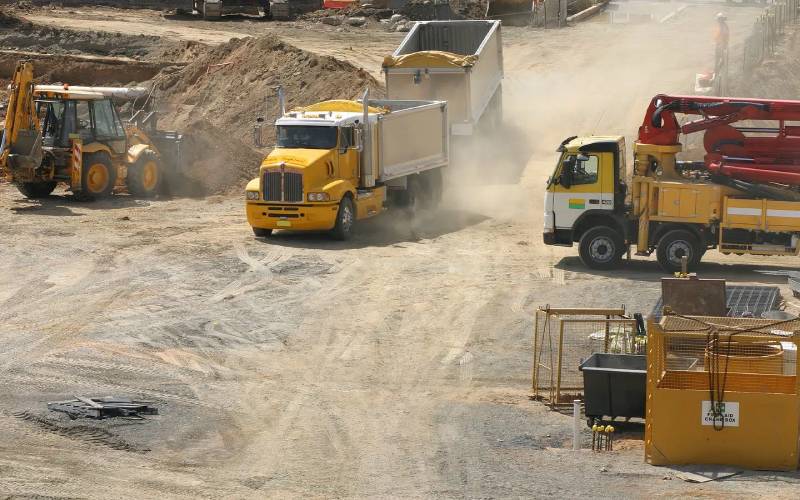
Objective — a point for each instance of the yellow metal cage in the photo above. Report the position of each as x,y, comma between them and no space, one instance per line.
723,391
564,337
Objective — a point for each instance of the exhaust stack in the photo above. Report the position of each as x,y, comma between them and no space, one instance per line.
367,169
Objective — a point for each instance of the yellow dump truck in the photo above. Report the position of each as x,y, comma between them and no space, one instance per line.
338,162
741,199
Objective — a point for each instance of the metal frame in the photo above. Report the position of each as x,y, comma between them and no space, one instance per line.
555,385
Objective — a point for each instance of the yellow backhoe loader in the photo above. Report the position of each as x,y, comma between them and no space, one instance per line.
74,135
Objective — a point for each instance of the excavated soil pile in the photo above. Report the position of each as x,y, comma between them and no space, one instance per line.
217,98
425,10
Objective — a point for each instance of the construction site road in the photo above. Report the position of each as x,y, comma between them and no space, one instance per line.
393,365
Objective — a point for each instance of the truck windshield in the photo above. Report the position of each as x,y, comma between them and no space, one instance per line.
306,136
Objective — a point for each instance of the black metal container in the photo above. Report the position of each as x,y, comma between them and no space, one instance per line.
614,385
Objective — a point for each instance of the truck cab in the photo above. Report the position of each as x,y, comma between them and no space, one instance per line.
311,180
586,194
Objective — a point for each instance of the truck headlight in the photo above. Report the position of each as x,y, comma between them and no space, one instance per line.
252,195
318,197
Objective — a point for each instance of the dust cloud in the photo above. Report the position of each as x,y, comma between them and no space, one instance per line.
604,91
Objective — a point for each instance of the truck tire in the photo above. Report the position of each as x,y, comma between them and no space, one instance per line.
98,176
345,219
35,190
429,188
409,200
260,232
144,176
601,247
674,245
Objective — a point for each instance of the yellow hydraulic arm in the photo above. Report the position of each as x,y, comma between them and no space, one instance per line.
21,132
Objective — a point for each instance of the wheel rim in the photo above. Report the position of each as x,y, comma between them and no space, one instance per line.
677,250
97,178
602,249
150,175
347,217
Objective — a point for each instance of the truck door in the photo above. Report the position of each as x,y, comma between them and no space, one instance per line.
347,156
582,182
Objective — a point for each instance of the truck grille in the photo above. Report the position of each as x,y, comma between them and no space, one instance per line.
283,186
293,187
272,186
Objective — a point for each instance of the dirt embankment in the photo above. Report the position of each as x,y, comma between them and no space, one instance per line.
217,98
778,77
18,34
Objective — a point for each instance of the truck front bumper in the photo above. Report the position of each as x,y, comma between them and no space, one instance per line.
304,217
558,237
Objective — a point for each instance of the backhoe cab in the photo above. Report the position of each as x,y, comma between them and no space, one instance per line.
74,135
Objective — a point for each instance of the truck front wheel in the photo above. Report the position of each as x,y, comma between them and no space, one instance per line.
345,218
676,244
601,247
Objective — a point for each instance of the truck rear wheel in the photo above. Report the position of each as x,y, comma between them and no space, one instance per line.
429,188
345,218
601,247
144,176
34,190
261,232
675,245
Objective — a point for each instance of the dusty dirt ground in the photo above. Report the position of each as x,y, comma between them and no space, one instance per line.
394,365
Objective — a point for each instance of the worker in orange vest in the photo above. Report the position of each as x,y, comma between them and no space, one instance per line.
721,38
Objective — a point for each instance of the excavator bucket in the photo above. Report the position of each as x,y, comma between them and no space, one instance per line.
512,12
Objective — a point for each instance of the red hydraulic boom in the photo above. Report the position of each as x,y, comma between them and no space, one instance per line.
760,154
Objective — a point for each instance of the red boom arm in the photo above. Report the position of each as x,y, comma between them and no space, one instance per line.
765,154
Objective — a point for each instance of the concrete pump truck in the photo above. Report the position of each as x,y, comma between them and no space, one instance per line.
743,198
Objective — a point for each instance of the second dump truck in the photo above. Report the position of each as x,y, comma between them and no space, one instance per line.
742,198
338,162
460,62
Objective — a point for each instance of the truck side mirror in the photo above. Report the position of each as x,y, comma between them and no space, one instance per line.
358,138
257,132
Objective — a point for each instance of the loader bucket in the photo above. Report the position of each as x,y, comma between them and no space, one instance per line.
170,147
511,12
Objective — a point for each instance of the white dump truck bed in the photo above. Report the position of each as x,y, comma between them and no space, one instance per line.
410,138
460,62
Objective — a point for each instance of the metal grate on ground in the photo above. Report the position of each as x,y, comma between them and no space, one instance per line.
740,299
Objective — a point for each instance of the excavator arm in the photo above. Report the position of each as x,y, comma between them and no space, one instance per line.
748,153
21,146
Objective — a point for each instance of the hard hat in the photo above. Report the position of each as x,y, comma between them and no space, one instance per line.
721,16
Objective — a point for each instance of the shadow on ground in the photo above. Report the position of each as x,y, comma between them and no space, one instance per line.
65,205
649,270
391,228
